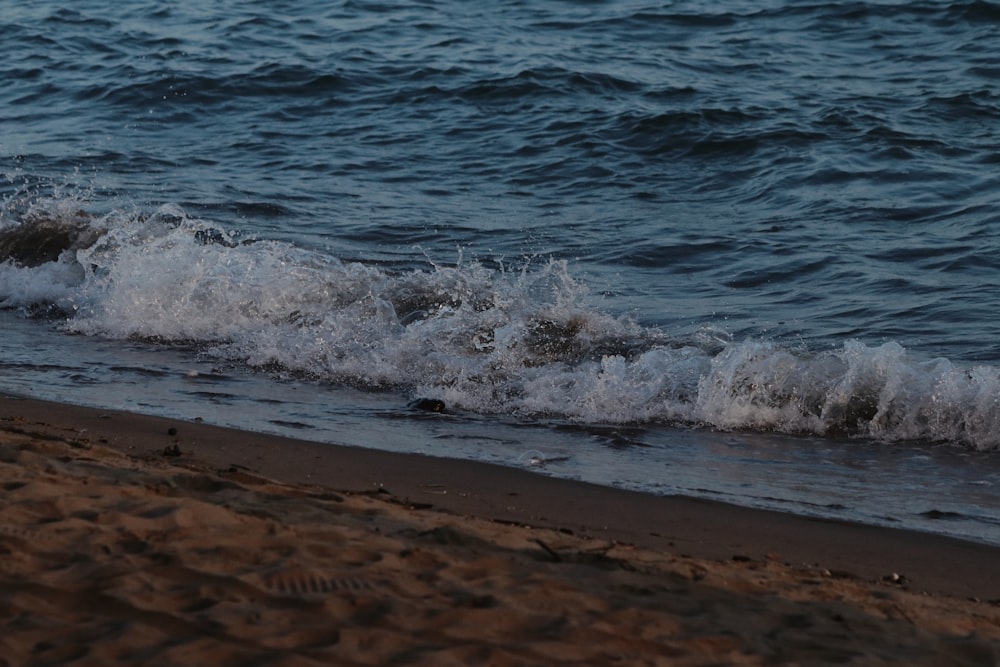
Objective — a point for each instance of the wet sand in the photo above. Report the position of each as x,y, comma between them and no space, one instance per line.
127,539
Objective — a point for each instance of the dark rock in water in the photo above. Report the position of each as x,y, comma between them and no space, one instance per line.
38,241
41,238
46,311
212,236
427,404
33,247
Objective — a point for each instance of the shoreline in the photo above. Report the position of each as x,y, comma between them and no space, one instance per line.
691,526
129,539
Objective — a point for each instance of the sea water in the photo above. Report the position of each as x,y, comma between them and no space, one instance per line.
744,251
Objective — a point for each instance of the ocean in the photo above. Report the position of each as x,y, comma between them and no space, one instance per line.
743,251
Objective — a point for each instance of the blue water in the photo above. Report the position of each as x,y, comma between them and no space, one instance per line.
744,251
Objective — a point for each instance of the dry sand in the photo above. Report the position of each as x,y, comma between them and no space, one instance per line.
145,541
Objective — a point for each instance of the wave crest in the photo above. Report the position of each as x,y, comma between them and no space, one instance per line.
527,341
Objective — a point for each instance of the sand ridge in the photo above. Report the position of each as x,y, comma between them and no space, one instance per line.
107,558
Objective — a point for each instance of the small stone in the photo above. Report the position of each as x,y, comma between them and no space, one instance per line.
428,404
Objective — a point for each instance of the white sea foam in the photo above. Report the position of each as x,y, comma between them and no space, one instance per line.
526,342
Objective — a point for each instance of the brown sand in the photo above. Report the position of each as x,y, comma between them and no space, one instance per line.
138,540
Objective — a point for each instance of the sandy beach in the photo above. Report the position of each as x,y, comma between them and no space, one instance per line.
127,539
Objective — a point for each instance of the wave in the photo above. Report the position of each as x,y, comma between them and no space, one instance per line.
483,337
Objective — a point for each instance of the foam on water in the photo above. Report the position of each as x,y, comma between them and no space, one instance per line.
487,338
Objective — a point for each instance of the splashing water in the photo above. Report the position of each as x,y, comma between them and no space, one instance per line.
487,339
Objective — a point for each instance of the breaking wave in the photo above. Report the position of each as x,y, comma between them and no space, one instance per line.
483,337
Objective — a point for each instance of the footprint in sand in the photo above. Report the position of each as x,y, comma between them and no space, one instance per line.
309,583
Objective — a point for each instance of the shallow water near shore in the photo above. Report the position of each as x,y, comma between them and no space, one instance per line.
940,489
746,252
